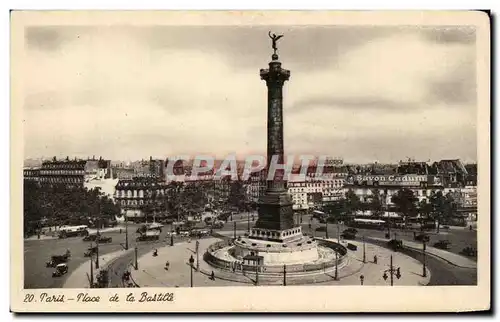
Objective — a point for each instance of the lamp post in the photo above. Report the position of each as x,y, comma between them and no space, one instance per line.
364,250
126,232
284,275
338,233
91,269
248,220
97,247
97,255
326,226
392,271
191,261
257,273
336,266
234,229
424,272
136,263
197,256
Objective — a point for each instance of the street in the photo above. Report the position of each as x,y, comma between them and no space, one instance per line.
459,238
37,253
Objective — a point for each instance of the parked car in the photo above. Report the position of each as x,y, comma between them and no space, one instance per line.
104,240
422,238
395,244
351,230
184,233
442,244
469,251
145,237
90,238
61,269
58,259
90,251
218,224
348,235
352,246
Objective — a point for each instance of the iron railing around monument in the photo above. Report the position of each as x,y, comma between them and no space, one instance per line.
210,258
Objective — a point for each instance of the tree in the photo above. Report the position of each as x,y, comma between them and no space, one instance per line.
173,198
425,210
58,204
375,204
405,202
237,195
335,210
351,203
443,207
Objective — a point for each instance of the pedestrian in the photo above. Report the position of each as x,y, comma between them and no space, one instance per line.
120,230
470,227
212,277
375,259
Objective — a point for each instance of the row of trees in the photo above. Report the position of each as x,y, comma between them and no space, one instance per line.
179,201
438,207
57,205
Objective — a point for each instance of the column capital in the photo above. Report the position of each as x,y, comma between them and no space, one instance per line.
274,73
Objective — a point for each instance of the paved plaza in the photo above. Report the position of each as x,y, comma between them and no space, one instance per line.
80,278
152,272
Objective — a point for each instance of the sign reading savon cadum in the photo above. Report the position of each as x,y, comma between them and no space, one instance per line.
390,180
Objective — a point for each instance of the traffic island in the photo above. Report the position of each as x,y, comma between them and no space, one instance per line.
153,270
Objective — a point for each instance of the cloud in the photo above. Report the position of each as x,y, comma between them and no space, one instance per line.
131,92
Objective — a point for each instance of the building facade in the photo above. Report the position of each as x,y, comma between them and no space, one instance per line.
135,195
69,173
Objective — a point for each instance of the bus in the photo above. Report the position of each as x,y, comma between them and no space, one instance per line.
367,223
73,231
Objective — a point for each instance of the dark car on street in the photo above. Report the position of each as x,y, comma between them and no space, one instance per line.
145,237
442,244
104,240
348,234
351,230
469,251
58,259
61,269
90,251
90,238
422,238
395,244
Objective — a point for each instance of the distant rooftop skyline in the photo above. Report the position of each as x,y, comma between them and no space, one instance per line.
361,93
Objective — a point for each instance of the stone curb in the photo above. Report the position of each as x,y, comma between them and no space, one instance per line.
440,257
427,253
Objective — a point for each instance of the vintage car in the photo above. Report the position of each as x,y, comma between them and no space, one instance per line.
351,230
103,240
90,251
395,244
199,233
422,238
90,238
469,251
148,237
58,259
442,244
348,234
61,269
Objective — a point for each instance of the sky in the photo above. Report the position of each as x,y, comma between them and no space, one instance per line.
363,93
